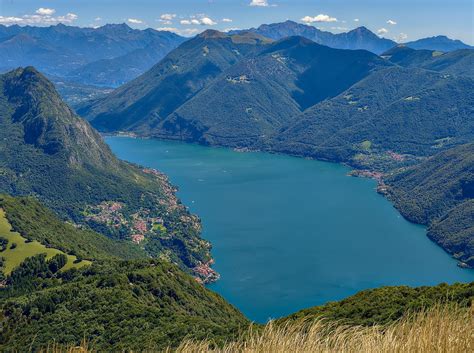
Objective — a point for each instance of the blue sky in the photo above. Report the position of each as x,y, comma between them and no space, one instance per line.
395,19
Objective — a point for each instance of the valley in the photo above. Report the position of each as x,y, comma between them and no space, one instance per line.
179,177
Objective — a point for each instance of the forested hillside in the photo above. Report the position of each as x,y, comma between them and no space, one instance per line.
382,306
48,152
406,111
440,193
139,305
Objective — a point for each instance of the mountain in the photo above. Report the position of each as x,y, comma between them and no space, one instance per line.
359,38
458,62
108,55
241,100
179,76
408,57
440,43
390,111
49,152
439,192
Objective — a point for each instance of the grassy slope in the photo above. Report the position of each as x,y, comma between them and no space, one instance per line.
441,329
14,257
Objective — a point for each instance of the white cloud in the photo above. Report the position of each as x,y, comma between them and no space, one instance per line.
391,22
228,20
319,18
187,32
45,11
202,20
135,21
167,16
261,3
98,19
42,16
400,38
381,31
356,20
206,21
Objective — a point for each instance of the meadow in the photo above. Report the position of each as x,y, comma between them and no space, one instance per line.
14,255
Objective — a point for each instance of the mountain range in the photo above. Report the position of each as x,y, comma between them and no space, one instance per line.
109,55
114,54
256,91
358,38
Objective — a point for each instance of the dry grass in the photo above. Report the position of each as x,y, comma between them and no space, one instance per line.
442,329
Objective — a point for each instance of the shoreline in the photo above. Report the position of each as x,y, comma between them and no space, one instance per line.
378,176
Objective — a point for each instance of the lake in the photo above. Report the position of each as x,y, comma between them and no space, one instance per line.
290,233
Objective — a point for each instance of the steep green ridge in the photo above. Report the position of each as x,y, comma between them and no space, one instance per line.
35,222
139,305
49,152
406,111
384,305
439,192
459,62
175,79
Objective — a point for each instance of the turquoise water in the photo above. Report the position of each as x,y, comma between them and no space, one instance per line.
290,233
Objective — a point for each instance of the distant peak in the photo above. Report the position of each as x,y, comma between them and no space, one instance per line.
212,34
293,41
362,29
117,26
